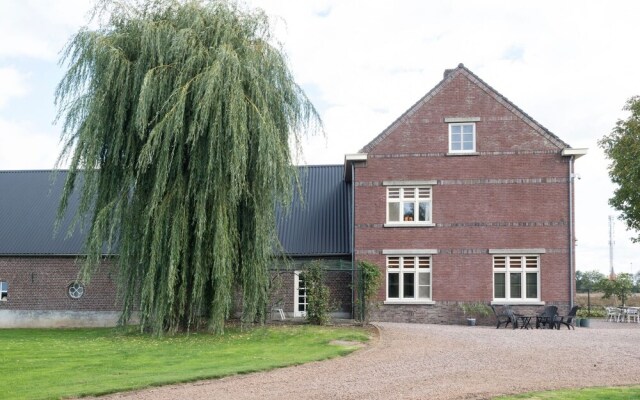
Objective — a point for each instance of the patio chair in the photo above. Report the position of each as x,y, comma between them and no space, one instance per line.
632,313
502,318
547,319
567,319
613,314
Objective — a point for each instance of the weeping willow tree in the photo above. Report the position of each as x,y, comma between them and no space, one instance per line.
177,122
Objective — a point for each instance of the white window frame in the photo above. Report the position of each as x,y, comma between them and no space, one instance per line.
4,290
462,150
76,290
410,195
521,264
419,265
296,294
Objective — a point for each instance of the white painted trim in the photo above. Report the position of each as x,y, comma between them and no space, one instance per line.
355,157
517,251
517,303
405,302
455,154
410,225
462,119
410,183
410,252
296,283
577,153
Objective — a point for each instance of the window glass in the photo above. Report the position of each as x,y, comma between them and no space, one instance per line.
408,211
4,290
424,285
76,290
532,285
462,137
394,285
515,286
408,285
394,211
499,286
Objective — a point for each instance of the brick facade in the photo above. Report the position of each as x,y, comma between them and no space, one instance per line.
41,283
512,193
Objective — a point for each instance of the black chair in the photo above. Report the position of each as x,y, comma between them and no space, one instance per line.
505,317
567,319
547,319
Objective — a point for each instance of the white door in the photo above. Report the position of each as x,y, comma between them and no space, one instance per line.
300,296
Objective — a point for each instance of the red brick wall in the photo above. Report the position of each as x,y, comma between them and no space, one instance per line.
41,283
513,194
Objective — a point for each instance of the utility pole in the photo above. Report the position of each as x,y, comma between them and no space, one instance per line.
612,274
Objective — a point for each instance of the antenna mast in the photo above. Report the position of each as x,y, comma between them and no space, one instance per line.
612,274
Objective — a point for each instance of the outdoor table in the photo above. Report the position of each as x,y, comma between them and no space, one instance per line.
543,320
522,321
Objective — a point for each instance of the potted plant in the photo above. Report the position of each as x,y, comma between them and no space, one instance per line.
582,318
473,310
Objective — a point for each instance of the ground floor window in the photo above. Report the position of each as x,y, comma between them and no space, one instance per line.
300,295
76,290
4,290
516,277
408,278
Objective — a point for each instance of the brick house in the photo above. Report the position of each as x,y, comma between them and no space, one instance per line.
463,198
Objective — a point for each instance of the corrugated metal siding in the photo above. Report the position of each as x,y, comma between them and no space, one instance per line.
318,225
28,205
29,201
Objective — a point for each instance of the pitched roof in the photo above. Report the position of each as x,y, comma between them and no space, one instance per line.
28,206
320,224
449,75
29,201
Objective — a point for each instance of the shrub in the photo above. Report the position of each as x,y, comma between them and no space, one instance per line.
371,281
318,296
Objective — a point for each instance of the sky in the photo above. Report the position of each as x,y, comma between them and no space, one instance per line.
571,65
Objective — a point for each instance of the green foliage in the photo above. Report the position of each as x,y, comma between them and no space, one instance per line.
318,295
72,363
595,312
371,281
475,309
177,118
621,287
588,280
622,148
598,393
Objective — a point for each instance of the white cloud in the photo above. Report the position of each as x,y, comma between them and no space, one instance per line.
12,84
25,147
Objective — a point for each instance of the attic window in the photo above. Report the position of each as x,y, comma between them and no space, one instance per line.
462,137
4,290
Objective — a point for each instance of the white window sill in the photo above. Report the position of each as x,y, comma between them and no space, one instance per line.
409,302
409,225
518,303
463,153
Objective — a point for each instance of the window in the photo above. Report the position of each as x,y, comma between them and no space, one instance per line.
4,290
516,278
462,138
409,278
76,290
300,299
409,205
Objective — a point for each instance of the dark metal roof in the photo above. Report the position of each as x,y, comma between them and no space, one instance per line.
28,205
29,201
320,224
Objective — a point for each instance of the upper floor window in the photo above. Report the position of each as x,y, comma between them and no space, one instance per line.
409,205
408,278
4,290
516,278
462,137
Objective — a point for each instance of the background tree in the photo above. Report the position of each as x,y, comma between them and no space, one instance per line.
588,280
621,287
622,148
177,118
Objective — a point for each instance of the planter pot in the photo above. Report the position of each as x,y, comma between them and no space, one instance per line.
471,321
585,322
578,322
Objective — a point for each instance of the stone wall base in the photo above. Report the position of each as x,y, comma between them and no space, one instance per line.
60,319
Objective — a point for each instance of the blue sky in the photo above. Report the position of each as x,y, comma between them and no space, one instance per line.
571,65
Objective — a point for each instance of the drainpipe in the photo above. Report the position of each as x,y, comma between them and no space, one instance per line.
353,239
571,241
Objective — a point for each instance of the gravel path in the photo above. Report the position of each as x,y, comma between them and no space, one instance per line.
413,361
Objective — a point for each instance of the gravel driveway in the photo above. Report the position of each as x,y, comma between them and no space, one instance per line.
413,361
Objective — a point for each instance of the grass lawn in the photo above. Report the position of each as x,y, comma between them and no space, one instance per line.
48,363
602,393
